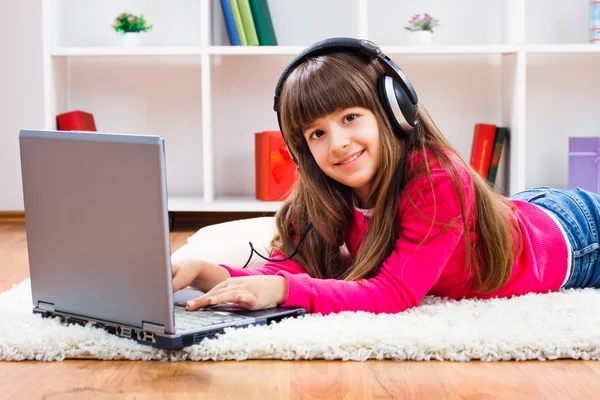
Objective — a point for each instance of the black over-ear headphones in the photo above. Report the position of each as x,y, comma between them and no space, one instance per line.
396,93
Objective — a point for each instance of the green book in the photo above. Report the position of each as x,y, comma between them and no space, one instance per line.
263,23
248,22
501,134
237,18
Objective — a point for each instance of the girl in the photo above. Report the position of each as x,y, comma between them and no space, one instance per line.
385,211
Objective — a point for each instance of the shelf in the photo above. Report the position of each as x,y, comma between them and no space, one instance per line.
432,49
448,49
125,51
255,50
232,204
173,51
563,48
292,50
265,50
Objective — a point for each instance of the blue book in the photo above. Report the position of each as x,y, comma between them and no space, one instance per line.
230,23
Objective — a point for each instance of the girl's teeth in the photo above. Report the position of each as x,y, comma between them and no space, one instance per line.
354,157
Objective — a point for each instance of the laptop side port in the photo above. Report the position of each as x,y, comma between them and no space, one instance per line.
124,332
73,320
110,329
144,336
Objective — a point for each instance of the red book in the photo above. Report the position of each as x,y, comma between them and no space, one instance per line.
275,171
482,148
75,121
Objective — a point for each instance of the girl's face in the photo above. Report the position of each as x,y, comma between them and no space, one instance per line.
347,148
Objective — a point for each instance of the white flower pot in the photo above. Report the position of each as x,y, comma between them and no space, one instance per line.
131,39
421,37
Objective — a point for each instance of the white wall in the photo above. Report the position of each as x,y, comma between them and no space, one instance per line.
21,102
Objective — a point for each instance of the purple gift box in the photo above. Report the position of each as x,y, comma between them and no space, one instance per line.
584,163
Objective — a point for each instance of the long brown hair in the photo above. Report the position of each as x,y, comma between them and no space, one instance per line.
326,84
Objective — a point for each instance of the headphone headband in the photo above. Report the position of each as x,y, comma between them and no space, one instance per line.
328,46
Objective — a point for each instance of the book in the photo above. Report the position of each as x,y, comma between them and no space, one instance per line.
275,171
482,148
583,165
248,22
263,23
234,38
76,120
237,18
499,140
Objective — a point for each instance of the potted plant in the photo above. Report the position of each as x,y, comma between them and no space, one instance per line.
130,27
421,27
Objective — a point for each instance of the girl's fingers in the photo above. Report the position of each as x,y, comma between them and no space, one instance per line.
210,299
216,292
193,304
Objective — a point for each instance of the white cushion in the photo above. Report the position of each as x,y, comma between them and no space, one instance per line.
227,243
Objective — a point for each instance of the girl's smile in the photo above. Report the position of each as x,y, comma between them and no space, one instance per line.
349,161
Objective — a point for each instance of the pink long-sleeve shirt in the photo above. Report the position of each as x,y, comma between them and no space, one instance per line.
435,266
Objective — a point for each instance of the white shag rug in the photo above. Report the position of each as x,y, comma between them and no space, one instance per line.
538,327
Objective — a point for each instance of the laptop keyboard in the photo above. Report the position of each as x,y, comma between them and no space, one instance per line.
202,318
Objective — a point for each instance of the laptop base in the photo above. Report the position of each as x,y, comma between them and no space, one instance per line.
167,341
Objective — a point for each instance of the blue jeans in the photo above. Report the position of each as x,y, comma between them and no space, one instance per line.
578,211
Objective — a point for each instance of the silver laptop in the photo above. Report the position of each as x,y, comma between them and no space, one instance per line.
97,229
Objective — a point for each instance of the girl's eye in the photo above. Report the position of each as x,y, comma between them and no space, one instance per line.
316,134
350,117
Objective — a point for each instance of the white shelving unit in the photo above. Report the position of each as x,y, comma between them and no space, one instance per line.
524,64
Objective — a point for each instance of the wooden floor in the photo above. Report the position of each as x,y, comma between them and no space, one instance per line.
77,379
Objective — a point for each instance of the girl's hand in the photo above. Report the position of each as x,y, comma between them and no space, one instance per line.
255,292
197,273
184,272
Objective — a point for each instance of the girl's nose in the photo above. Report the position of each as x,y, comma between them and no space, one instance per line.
338,140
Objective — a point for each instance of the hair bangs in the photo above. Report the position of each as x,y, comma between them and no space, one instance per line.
319,87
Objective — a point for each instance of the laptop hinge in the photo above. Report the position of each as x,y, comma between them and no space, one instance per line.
155,328
46,306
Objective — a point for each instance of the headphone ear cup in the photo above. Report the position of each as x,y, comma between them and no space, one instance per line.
400,110
383,97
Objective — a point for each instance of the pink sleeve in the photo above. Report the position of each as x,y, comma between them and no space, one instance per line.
412,269
270,267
